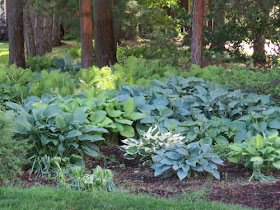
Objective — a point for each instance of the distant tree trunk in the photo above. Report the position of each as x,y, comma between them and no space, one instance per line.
184,4
86,33
28,31
197,32
259,49
47,28
105,47
39,34
15,30
55,31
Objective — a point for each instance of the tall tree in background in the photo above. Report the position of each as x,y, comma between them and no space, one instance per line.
197,32
86,33
105,45
16,37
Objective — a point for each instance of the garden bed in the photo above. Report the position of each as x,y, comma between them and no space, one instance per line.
232,188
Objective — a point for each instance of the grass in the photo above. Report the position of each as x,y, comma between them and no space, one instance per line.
57,52
47,198
4,52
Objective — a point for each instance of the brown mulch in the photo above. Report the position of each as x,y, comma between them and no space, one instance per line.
233,187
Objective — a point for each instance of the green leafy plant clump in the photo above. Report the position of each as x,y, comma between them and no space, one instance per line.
187,160
263,149
12,151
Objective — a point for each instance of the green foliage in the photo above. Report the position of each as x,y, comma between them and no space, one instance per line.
52,82
244,78
37,64
203,111
186,160
74,177
12,151
141,72
150,142
263,149
14,82
55,132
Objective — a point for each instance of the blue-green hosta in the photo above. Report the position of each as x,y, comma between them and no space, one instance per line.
147,145
263,149
203,111
186,160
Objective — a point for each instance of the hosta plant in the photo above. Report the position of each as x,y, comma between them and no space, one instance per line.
147,145
260,148
186,160
75,177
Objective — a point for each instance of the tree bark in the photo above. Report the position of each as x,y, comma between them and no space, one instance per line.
259,49
55,31
105,47
47,37
39,34
86,33
15,30
197,32
28,31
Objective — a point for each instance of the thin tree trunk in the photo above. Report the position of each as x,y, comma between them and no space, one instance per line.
197,32
105,47
15,29
86,33
259,49
28,31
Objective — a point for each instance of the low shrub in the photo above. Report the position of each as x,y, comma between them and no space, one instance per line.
12,151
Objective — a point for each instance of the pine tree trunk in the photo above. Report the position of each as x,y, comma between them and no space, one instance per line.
105,47
55,32
47,37
197,32
86,33
15,30
39,34
28,31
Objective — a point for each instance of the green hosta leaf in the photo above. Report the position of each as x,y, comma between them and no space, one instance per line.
97,116
92,138
161,169
92,128
79,116
157,158
61,149
276,164
91,92
233,159
256,159
274,124
73,133
129,107
221,140
137,116
164,112
128,131
235,148
181,174
124,121
39,105
259,142
132,150
59,122
105,122
115,113
273,136
89,151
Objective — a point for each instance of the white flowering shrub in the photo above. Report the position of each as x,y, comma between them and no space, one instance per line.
147,145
